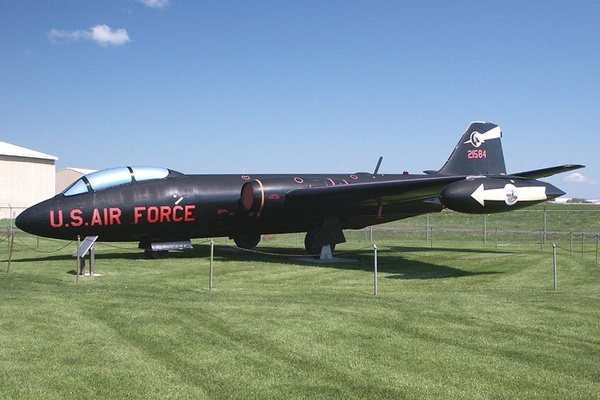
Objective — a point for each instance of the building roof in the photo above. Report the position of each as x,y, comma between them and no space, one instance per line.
82,171
8,149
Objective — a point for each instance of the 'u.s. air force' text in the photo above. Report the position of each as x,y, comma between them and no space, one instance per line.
114,216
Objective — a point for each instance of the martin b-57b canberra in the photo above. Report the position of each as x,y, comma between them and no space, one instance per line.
164,209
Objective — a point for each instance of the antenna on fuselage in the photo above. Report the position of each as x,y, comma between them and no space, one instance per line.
378,165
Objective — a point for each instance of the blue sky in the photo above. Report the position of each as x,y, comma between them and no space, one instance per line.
301,86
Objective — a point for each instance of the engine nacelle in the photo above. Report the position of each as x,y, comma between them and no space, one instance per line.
261,197
482,195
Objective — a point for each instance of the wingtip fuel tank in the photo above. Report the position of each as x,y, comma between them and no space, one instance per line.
492,195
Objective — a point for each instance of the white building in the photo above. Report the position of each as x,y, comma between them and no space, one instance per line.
26,177
66,176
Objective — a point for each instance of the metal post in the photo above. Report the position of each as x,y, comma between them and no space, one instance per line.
375,282
554,265
484,228
545,228
78,259
541,240
212,252
11,245
496,239
10,222
427,229
431,238
582,243
92,254
570,243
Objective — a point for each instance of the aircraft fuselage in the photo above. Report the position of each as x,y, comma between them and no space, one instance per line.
196,206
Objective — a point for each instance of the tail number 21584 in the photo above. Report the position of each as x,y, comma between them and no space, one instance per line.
476,153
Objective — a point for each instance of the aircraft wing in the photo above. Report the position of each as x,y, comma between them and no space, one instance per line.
373,192
544,172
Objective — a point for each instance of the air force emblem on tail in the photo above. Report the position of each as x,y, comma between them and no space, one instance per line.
478,138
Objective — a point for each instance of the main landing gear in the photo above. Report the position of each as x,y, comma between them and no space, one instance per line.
311,246
247,241
320,241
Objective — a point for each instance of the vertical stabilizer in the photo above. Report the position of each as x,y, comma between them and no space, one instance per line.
479,152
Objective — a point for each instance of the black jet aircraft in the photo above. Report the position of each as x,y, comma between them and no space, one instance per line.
163,209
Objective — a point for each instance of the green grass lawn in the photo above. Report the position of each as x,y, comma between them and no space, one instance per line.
459,320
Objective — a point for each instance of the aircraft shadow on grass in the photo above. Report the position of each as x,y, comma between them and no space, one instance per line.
390,260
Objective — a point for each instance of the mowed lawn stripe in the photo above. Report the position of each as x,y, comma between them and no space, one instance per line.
454,322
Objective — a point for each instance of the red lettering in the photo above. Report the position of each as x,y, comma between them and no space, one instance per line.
96,219
76,219
165,214
177,218
188,216
115,216
53,223
153,215
476,154
137,214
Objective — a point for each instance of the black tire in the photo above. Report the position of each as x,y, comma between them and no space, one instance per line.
247,241
312,249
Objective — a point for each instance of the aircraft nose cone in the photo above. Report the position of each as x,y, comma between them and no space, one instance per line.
23,220
30,221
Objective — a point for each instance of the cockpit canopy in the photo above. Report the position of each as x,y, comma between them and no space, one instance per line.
112,177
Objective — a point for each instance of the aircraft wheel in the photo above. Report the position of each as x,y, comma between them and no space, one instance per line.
309,245
248,241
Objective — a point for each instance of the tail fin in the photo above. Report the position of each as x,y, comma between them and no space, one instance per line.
479,152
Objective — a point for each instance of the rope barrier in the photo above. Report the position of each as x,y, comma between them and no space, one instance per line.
573,248
287,255
44,252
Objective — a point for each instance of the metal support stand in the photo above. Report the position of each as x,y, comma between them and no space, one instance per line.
326,253
92,257
82,248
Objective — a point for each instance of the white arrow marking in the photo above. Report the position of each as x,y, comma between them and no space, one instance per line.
509,194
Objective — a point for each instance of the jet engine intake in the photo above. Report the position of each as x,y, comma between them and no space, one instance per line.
261,197
482,195
258,197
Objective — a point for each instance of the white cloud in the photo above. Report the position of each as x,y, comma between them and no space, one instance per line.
576,177
70,36
155,3
102,34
